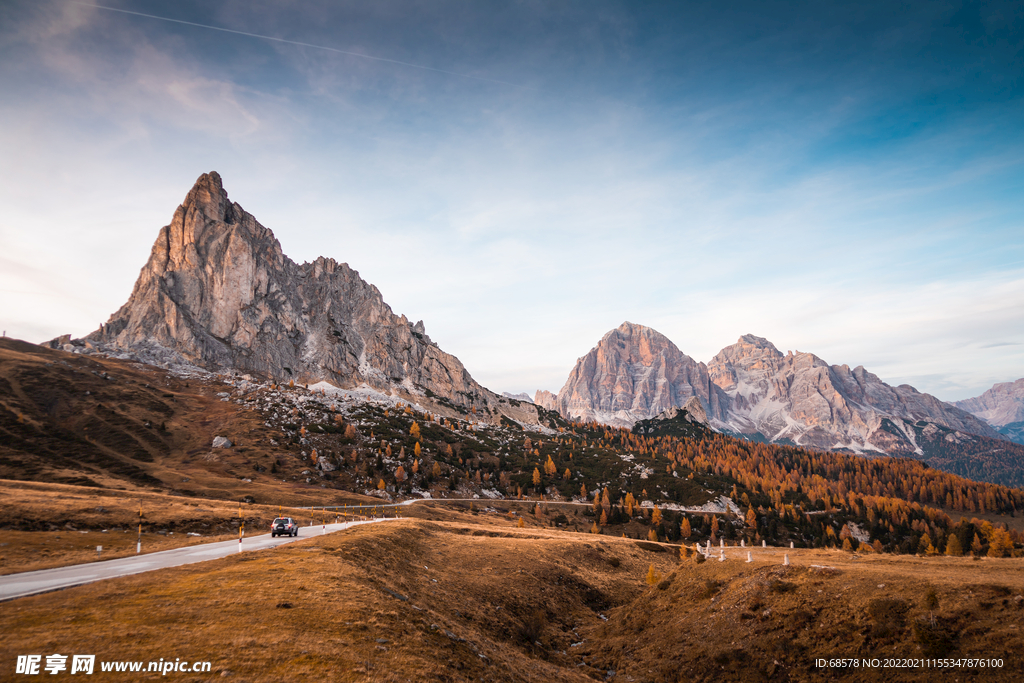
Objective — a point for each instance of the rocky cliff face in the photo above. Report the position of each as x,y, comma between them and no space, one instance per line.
218,292
800,398
751,389
545,399
1001,405
634,373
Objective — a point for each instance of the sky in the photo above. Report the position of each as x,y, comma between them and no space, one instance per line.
841,178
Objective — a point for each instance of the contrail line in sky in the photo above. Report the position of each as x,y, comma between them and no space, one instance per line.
301,44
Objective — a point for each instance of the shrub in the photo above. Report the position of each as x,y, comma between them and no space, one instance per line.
889,616
533,626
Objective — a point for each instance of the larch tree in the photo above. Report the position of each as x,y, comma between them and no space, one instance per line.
684,528
976,546
953,547
1000,545
652,576
550,468
536,477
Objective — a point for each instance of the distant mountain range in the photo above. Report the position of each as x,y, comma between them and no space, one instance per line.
1001,406
218,292
751,389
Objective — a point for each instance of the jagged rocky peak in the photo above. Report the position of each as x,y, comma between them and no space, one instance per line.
633,373
800,398
750,388
1001,405
219,292
749,354
545,399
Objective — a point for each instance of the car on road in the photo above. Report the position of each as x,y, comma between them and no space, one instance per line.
284,526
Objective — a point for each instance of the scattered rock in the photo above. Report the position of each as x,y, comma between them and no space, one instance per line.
221,442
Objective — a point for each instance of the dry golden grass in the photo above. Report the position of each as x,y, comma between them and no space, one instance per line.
318,609
765,621
53,525
456,596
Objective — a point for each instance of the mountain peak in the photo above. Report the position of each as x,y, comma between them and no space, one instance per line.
754,340
209,198
633,373
631,330
218,292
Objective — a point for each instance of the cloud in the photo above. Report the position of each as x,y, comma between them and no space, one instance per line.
705,174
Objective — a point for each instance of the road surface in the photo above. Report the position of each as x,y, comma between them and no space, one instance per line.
27,583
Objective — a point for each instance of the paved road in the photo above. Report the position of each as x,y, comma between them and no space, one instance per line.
27,583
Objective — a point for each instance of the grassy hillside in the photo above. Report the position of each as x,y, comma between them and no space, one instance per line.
466,596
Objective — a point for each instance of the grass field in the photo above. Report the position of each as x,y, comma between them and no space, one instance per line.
53,525
459,596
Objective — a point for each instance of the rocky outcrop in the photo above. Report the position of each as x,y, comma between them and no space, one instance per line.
801,399
218,292
545,399
518,397
693,411
1003,404
633,374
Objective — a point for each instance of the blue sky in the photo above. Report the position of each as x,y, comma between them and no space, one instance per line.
841,178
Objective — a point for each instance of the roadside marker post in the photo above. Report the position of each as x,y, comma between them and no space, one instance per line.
138,545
